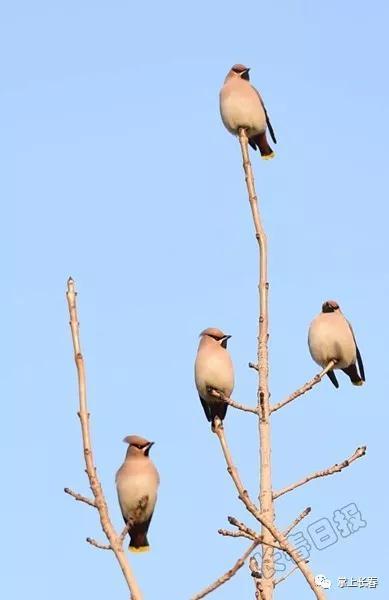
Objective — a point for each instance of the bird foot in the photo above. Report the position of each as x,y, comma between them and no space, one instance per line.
217,423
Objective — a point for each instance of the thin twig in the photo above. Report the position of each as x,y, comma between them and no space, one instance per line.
79,497
240,525
238,534
114,539
97,544
125,530
305,388
297,521
281,579
233,471
251,533
253,366
330,471
227,576
232,402
236,523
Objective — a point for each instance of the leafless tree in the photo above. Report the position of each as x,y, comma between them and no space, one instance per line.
269,536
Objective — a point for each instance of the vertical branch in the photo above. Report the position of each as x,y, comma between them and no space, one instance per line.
100,502
263,396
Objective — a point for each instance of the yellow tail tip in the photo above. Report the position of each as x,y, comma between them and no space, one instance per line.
268,156
138,550
358,383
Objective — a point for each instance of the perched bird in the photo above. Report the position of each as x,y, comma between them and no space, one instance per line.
242,106
137,483
213,371
331,337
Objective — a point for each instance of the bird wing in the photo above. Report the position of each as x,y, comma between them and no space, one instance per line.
360,364
206,409
269,125
333,378
359,357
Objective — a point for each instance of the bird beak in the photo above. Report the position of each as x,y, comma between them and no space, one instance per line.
224,341
148,448
245,75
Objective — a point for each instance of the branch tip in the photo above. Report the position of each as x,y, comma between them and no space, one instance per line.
336,468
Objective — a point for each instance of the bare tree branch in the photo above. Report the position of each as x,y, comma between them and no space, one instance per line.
97,544
265,515
305,388
281,579
275,533
297,521
79,497
236,522
238,534
125,531
250,533
240,525
232,402
115,541
227,576
263,394
233,471
330,471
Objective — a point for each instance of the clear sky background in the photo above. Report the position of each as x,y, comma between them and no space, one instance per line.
116,170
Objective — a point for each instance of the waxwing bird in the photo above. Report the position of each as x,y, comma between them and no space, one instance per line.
137,483
241,105
213,371
331,337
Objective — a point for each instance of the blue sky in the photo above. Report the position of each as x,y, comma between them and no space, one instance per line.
118,171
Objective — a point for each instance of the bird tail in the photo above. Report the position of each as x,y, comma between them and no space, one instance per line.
218,409
262,144
214,409
138,550
352,372
138,537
